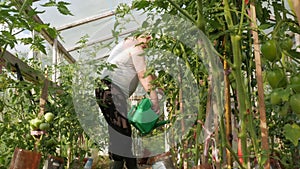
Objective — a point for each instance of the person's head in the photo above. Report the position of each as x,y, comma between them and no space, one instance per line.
143,39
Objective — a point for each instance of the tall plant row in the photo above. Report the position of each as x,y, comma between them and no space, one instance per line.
258,124
22,114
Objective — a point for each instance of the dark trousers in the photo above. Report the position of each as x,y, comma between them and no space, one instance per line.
113,105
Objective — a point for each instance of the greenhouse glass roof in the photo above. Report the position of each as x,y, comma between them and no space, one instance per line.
91,20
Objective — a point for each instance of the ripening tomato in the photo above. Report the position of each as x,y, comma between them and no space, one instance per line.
271,51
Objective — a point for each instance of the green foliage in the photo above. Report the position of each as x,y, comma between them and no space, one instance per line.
64,135
292,133
19,103
15,19
227,25
61,6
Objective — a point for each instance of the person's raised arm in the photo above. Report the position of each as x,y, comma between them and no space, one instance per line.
139,62
146,83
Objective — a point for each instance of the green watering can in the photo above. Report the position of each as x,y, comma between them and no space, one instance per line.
143,118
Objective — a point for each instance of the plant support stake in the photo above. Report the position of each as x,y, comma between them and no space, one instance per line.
262,107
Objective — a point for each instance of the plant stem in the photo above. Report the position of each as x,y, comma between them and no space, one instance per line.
182,11
200,19
243,12
237,71
228,147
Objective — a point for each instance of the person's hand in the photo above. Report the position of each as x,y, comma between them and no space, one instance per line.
160,92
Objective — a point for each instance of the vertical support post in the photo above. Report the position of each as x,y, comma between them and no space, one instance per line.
262,107
296,6
228,116
166,114
54,60
33,53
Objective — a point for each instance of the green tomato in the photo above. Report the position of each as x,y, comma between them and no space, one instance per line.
276,78
44,126
270,51
275,98
295,83
49,117
35,123
295,103
286,44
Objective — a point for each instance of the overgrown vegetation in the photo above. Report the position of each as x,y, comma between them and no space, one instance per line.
229,27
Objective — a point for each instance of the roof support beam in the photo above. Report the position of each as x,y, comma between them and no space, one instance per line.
100,40
30,74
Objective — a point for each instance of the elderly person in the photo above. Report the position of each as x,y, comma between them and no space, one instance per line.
120,85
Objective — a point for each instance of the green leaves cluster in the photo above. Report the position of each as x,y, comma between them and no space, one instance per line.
60,5
19,100
18,17
228,25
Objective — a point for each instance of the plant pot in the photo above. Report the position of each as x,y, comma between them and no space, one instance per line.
25,159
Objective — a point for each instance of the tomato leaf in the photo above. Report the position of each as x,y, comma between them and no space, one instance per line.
292,133
293,53
63,9
49,4
265,26
140,4
52,32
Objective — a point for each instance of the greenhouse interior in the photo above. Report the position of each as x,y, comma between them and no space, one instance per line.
77,93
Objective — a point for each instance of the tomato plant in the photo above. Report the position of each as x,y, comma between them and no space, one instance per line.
227,27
